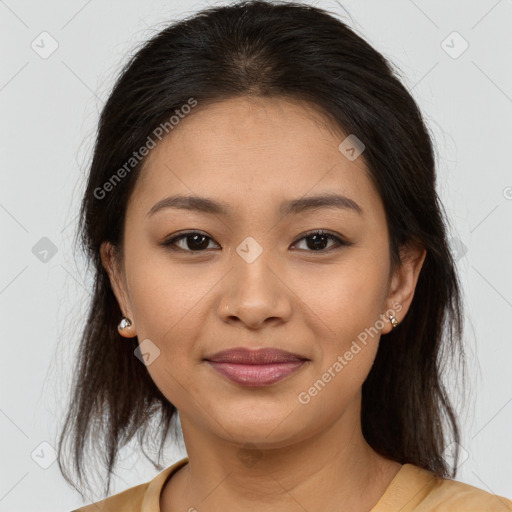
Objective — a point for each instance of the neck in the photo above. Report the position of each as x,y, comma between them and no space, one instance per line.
333,467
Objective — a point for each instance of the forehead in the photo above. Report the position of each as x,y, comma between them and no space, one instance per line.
251,150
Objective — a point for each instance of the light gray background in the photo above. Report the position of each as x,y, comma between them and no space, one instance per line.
49,110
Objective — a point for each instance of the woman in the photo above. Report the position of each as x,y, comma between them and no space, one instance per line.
271,262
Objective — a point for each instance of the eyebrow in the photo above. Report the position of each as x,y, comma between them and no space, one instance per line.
289,207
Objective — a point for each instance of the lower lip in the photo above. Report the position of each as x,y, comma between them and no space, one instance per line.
256,375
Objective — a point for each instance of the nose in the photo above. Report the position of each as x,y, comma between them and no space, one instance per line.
255,295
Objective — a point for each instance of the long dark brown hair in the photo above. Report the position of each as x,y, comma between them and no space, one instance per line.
271,49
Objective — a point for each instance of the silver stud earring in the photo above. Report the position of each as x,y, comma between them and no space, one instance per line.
393,320
124,324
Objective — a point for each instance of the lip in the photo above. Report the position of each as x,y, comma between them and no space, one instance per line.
242,355
255,368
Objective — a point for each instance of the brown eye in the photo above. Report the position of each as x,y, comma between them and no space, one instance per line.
192,242
316,241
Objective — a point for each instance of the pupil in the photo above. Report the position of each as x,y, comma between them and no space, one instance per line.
319,240
199,246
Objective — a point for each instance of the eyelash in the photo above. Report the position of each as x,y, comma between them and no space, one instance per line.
169,243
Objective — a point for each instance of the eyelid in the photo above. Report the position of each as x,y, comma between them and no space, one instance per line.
324,232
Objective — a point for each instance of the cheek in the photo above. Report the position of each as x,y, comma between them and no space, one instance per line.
167,303
348,303
347,297
168,307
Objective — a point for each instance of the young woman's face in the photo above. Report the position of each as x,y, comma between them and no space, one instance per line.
252,276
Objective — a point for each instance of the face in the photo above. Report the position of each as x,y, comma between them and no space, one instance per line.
255,273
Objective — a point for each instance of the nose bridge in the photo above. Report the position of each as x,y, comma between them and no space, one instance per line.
256,291
253,269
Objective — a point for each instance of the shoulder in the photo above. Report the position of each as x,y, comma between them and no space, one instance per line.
415,489
446,495
126,501
142,497
449,495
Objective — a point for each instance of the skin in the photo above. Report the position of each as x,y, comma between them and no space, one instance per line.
260,449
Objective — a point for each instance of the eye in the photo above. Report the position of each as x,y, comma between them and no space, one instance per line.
318,240
195,240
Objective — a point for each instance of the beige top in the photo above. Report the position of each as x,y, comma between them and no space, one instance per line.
413,489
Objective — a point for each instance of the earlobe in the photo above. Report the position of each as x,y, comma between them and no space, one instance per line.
403,283
109,262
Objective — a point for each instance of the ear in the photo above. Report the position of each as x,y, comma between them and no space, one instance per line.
403,283
111,263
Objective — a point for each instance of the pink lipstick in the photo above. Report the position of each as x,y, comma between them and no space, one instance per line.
255,368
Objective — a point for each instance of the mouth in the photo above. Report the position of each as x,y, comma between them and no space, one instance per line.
255,368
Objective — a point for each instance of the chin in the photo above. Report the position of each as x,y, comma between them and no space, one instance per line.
265,428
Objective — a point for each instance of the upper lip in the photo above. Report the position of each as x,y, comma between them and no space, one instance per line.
242,355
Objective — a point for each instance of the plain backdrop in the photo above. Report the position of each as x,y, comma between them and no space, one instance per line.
455,57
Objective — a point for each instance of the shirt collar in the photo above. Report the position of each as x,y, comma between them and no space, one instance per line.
151,501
